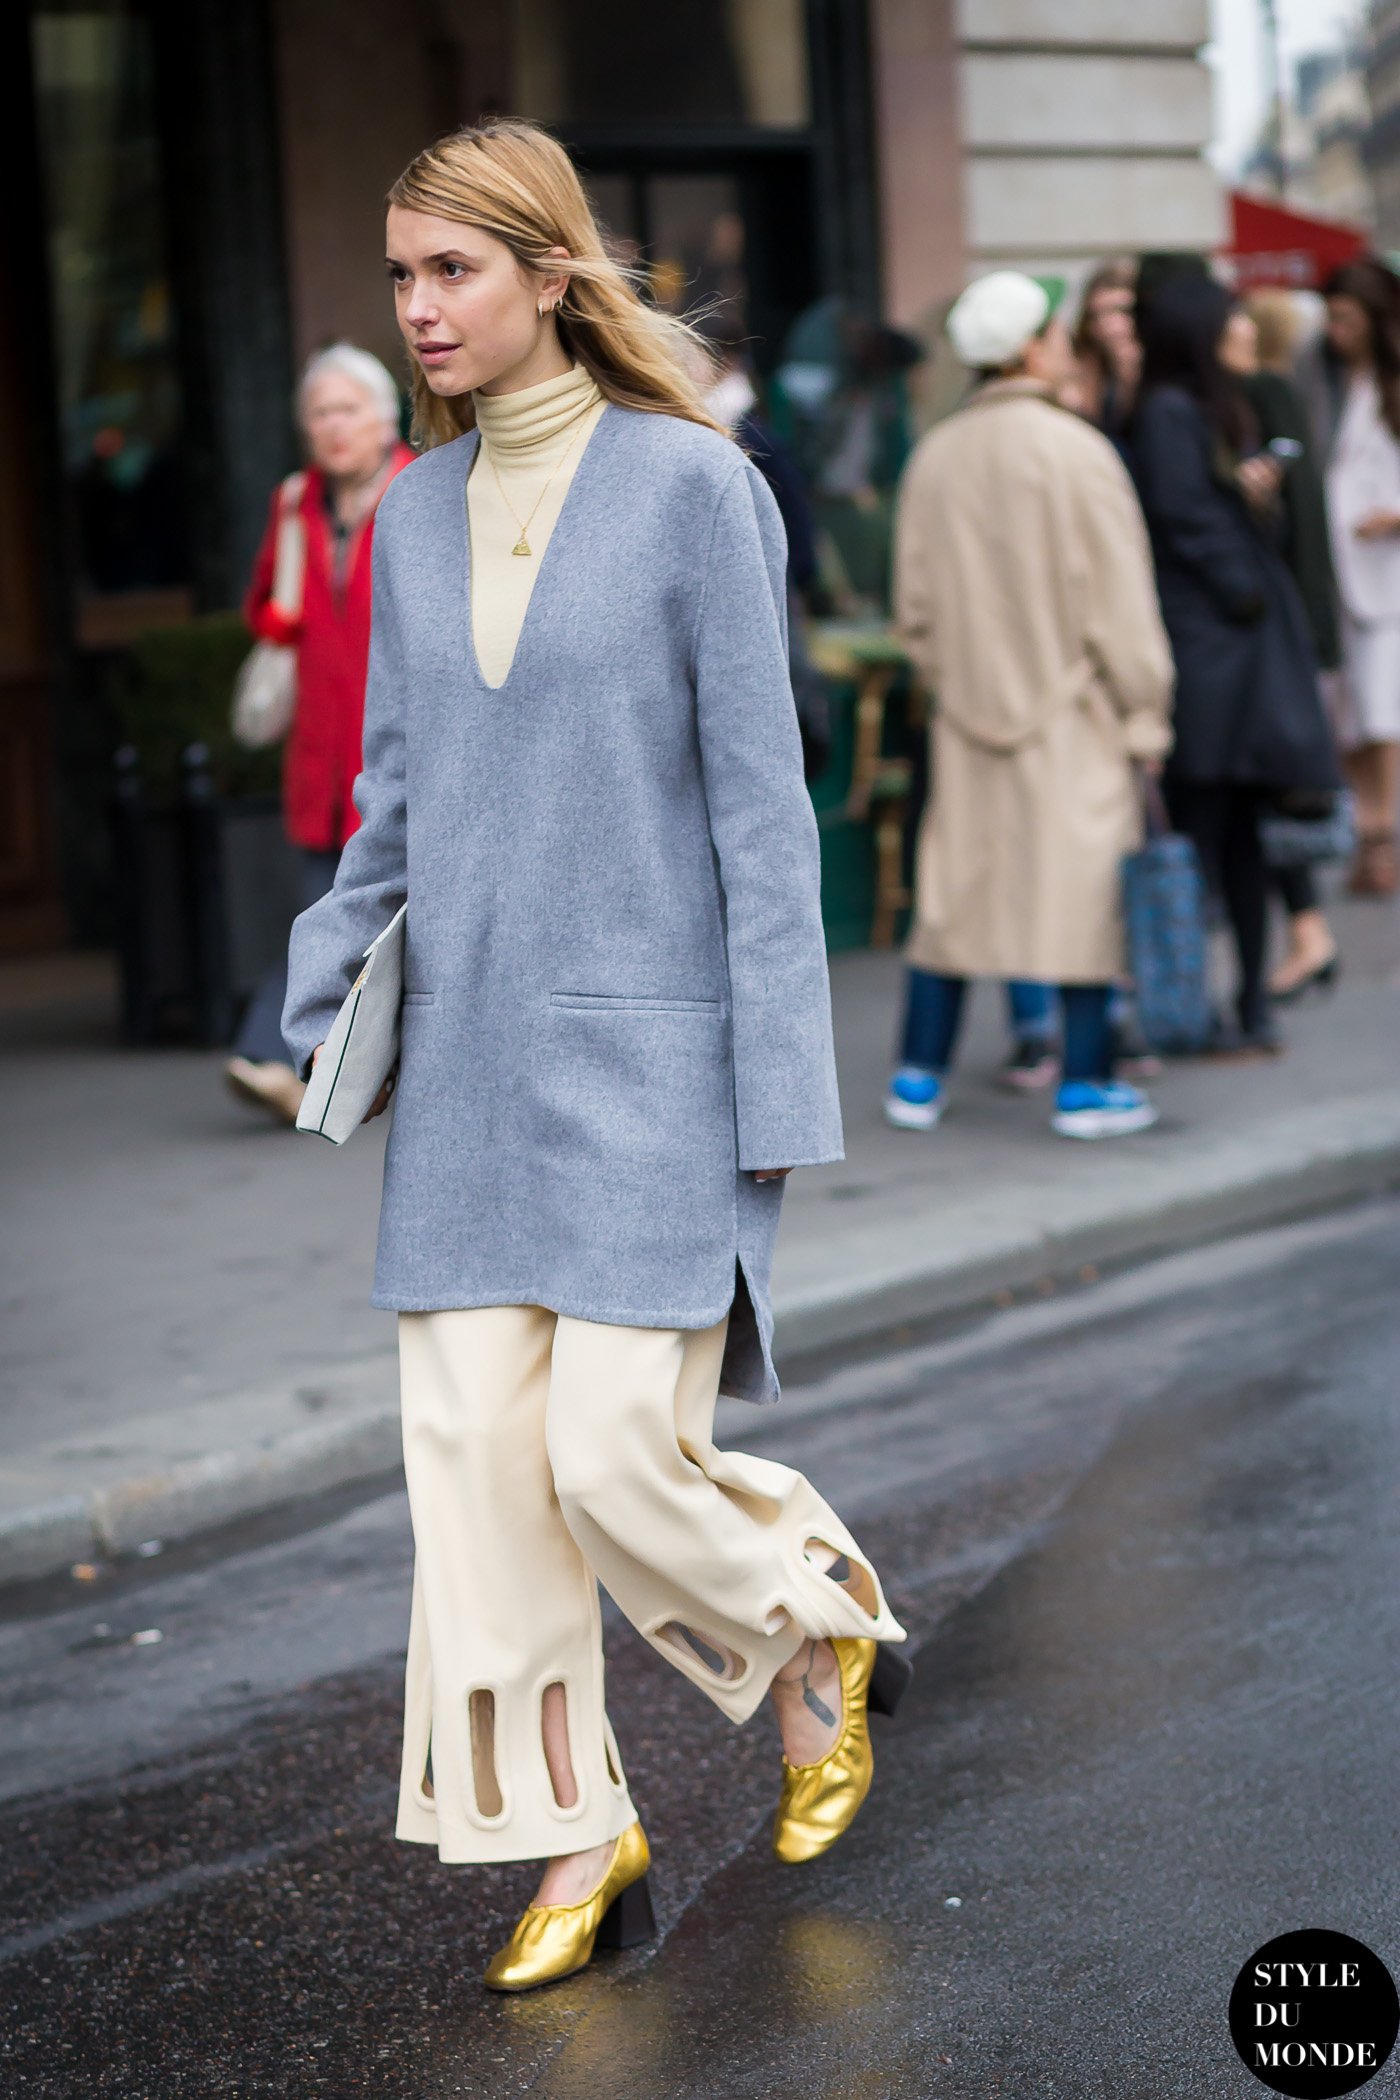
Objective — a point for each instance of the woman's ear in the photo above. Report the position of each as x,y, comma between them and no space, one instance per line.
552,285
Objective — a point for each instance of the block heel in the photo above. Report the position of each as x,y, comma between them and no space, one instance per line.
556,1939
630,1920
889,1680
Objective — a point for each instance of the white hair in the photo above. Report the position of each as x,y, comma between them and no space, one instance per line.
358,366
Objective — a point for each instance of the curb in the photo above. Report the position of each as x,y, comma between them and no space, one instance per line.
197,1495
1338,1153
1341,1152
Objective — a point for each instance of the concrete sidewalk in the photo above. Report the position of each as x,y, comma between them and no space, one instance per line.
186,1337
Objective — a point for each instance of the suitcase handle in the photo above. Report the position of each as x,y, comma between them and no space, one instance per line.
1156,817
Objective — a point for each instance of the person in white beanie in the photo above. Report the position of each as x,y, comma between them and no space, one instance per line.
1024,592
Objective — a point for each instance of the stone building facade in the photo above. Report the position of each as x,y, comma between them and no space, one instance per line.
1382,149
1084,124
206,186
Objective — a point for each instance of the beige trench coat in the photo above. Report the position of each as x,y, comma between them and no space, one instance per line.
1024,592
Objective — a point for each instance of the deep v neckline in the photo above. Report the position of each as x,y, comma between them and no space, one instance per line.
563,529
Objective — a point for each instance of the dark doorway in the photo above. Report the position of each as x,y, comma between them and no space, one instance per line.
724,229
31,914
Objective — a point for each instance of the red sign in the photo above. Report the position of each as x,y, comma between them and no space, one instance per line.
1272,245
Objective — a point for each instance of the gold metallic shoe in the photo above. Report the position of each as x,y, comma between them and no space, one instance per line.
555,1939
819,1801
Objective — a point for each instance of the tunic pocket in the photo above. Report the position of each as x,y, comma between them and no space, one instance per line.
629,1130
626,1003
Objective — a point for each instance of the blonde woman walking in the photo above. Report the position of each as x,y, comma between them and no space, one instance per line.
583,772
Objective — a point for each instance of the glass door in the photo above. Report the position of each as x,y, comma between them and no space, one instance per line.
732,239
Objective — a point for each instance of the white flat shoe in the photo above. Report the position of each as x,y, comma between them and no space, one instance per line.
270,1085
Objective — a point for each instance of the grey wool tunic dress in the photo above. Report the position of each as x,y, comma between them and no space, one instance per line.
616,1001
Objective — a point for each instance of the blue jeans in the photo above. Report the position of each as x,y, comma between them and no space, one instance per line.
933,1016
1030,1010
260,1035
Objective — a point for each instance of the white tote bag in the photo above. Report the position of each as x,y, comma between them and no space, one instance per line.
265,692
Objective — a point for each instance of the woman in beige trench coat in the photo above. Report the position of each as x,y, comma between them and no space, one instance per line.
1024,590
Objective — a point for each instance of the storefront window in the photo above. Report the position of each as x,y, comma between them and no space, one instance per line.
687,62
686,231
697,245
118,386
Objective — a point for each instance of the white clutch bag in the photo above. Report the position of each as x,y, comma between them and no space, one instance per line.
363,1046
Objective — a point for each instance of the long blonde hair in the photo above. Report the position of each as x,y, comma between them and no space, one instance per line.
511,179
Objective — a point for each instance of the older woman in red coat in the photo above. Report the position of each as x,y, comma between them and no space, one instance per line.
349,409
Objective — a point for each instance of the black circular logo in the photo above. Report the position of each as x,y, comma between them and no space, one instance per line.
1314,2014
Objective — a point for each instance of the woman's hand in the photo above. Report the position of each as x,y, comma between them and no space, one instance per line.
771,1173
1379,525
1259,481
381,1099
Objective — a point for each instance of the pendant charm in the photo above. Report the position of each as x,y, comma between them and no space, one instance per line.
522,545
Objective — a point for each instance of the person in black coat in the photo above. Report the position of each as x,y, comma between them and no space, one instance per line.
733,399
1249,724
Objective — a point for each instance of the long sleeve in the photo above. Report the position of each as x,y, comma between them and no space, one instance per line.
260,615
765,840
329,940
1124,634
913,579
1189,514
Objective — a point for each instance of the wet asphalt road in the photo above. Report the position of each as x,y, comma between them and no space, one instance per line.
1147,1537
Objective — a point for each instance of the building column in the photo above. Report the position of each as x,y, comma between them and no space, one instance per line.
914,67
1085,129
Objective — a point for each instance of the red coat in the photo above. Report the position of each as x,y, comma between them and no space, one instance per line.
322,756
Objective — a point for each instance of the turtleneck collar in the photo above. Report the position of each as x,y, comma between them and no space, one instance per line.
515,425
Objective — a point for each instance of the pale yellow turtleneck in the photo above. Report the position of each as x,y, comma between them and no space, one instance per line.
525,436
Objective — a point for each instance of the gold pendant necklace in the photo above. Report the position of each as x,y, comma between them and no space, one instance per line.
522,525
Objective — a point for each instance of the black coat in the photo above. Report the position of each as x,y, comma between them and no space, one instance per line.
1247,701
779,468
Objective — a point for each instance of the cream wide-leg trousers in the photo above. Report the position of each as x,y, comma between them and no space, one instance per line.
545,1455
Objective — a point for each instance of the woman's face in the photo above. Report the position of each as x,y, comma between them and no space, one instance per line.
1111,319
1349,329
1238,348
345,430
468,311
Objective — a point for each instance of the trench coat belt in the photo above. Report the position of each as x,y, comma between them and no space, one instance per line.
1071,686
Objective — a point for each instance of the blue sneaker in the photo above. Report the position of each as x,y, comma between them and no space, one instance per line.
915,1099
1100,1108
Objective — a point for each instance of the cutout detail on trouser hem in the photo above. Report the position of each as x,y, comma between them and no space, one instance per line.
558,1749
848,1575
481,1712
718,1660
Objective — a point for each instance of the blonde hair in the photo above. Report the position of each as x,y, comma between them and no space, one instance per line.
1275,313
511,179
